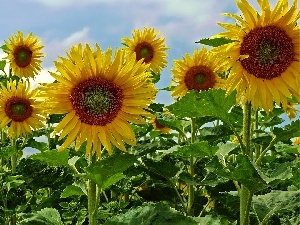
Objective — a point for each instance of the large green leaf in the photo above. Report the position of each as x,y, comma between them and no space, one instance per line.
212,220
52,157
247,174
163,168
108,171
225,149
198,150
71,190
47,216
287,132
206,103
215,42
244,172
151,214
267,205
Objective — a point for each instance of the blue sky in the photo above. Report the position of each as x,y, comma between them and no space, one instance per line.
63,23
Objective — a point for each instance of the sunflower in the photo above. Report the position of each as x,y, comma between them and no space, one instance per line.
100,95
19,109
291,110
264,56
24,54
158,126
297,141
196,72
149,47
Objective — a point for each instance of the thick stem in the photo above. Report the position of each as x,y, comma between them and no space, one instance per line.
245,194
92,194
14,157
191,188
246,127
245,205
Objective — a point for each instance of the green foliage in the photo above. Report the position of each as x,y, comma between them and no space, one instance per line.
71,190
206,103
47,216
53,157
274,202
151,214
215,42
285,133
199,150
108,171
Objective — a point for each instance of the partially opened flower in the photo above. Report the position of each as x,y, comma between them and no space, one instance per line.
100,95
24,54
158,126
291,111
297,141
19,109
196,72
148,46
265,55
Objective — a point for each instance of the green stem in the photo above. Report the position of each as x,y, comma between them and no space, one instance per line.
191,188
246,127
92,194
245,205
245,194
262,154
14,157
257,147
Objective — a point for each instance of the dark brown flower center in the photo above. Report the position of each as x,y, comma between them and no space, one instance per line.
158,124
18,109
270,51
96,101
199,78
23,56
145,51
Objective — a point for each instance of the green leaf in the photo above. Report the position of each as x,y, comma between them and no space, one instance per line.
212,220
151,214
2,64
214,42
171,121
52,157
71,190
198,150
47,216
244,172
247,174
206,103
42,146
55,118
267,205
225,149
287,132
108,171
282,171
5,48
12,182
162,168
280,147
7,151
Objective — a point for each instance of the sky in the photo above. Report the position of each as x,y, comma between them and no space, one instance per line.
63,23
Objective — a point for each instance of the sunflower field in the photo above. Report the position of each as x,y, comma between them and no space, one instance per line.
226,151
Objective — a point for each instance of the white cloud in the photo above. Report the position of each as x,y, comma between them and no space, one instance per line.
43,77
58,47
67,3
